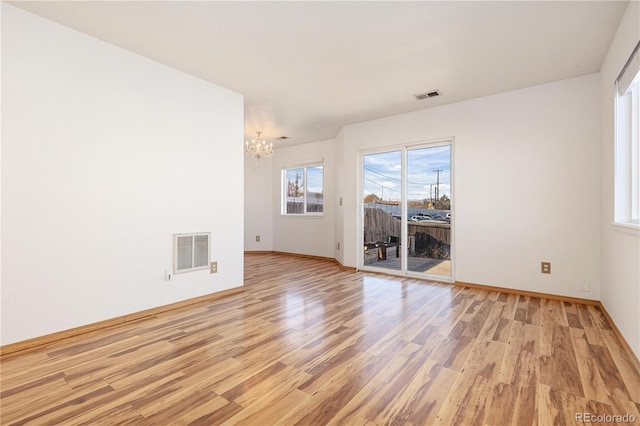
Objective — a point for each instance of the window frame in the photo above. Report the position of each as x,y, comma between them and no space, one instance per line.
627,156
284,188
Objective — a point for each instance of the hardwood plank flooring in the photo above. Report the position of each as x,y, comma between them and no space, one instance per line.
307,343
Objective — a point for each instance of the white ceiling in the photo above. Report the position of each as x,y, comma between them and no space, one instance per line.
308,68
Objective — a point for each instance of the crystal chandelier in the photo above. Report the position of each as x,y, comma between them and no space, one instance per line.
258,148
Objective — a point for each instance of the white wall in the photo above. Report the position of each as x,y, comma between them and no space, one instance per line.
536,153
258,205
305,234
620,247
339,196
106,154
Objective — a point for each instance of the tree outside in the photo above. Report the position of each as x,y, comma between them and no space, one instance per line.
372,199
444,203
295,188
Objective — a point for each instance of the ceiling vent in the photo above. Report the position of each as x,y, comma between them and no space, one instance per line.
425,95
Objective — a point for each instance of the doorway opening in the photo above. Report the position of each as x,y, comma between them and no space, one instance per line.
407,205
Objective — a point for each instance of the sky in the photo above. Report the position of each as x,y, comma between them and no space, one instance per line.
382,173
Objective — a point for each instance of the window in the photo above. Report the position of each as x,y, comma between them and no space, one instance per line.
627,156
191,251
303,190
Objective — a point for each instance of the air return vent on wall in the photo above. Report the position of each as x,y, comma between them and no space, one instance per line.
425,95
191,251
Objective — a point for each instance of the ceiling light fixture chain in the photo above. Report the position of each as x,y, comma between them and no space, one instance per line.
258,148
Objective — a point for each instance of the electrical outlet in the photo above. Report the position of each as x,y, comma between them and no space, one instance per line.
214,267
257,238
167,275
340,200
338,246
545,267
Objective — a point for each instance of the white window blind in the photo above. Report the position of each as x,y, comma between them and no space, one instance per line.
629,71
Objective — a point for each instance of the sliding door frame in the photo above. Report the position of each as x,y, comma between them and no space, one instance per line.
404,148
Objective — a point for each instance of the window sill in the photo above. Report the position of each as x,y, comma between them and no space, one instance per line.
627,228
303,216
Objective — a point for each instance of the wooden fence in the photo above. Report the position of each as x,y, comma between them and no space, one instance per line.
380,225
429,239
439,231
297,207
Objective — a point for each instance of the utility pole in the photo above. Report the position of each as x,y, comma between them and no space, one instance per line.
431,193
438,184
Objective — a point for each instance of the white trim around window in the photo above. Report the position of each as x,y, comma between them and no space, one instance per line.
302,190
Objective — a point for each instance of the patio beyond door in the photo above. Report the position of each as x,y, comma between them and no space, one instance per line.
406,215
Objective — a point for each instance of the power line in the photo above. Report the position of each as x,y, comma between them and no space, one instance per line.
382,186
381,175
412,182
421,193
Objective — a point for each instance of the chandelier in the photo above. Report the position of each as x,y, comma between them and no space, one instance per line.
258,148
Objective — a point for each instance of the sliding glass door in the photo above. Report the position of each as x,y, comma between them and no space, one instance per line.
406,214
382,215
429,210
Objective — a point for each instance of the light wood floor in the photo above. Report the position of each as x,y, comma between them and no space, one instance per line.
310,344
